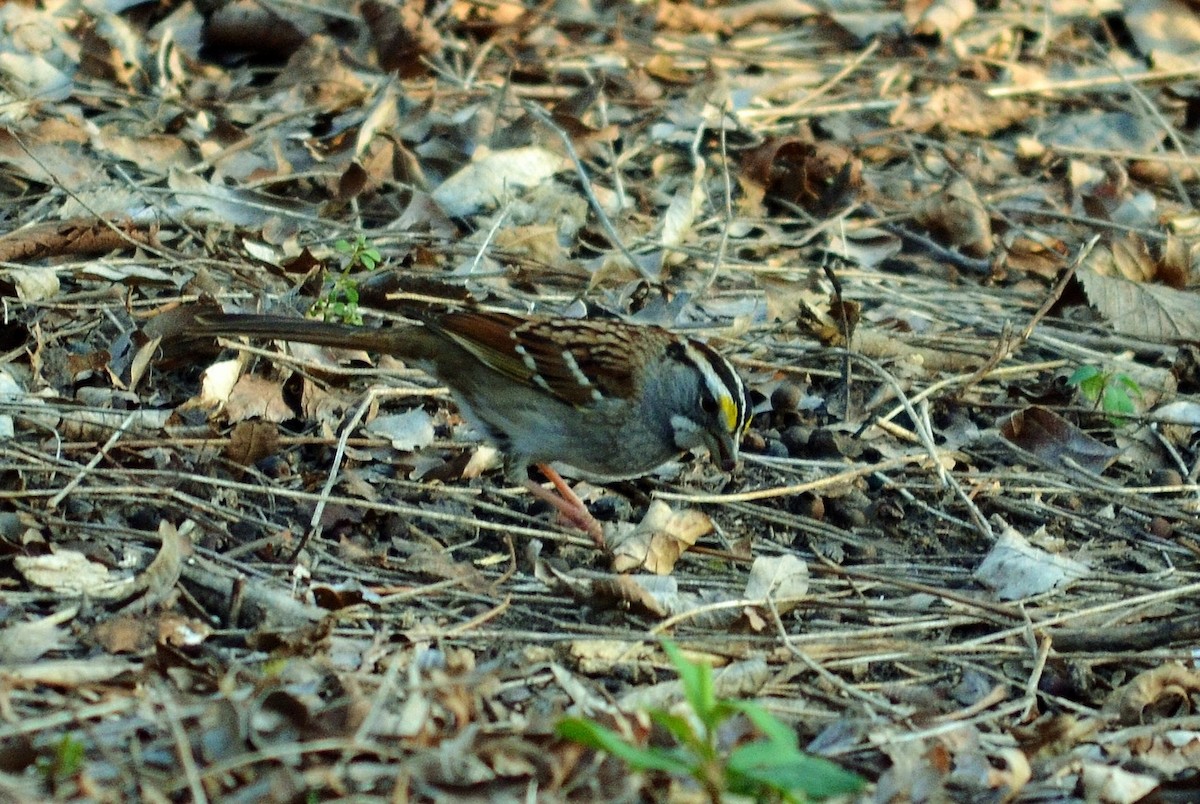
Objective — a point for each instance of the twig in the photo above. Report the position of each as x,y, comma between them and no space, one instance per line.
93,463
545,119
1057,291
727,220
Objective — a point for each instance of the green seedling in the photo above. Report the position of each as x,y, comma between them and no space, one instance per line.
1108,391
769,768
65,763
340,300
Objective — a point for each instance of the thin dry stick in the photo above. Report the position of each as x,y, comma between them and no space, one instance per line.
1187,591
1041,88
1004,347
1008,371
802,105
474,622
370,402
834,680
99,456
545,119
723,243
1057,291
1172,134
693,613
378,707
617,182
1035,675
925,432
183,745
998,694
837,570
496,223
799,488
953,725
136,491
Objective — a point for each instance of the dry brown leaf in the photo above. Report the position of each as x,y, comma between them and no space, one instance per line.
1160,693
78,237
157,581
1168,31
658,541
68,572
1014,569
1155,312
126,633
493,175
960,108
818,176
402,34
1114,785
1052,438
251,441
955,216
539,242
686,17
832,325
256,397
783,578
738,15
181,632
110,51
29,641
68,672
1035,253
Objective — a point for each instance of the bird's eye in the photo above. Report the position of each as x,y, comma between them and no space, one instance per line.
708,404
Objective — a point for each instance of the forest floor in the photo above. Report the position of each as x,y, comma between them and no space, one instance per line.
952,250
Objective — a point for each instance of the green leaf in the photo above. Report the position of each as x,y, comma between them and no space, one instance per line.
791,770
679,727
1130,383
592,734
342,246
696,679
774,729
1083,374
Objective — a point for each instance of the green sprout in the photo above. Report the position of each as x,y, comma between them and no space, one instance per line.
340,300
1108,391
66,761
770,768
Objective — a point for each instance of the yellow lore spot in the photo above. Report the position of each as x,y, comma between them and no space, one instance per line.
729,412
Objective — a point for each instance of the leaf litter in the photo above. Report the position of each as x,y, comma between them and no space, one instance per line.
941,564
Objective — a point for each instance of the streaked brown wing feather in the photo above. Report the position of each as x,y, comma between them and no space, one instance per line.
487,337
604,352
571,359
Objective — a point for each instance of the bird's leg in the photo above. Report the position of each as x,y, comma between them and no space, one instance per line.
567,503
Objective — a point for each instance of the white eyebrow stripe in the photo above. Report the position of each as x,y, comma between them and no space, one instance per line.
730,387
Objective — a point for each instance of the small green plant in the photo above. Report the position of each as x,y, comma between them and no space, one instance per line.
769,768
66,761
340,301
1108,391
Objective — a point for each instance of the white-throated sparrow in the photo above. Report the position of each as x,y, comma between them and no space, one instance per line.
611,399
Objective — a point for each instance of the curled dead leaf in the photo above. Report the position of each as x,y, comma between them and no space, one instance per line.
821,177
957,217
1052,438
658,541
1163,692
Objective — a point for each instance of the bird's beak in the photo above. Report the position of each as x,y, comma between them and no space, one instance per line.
723,448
